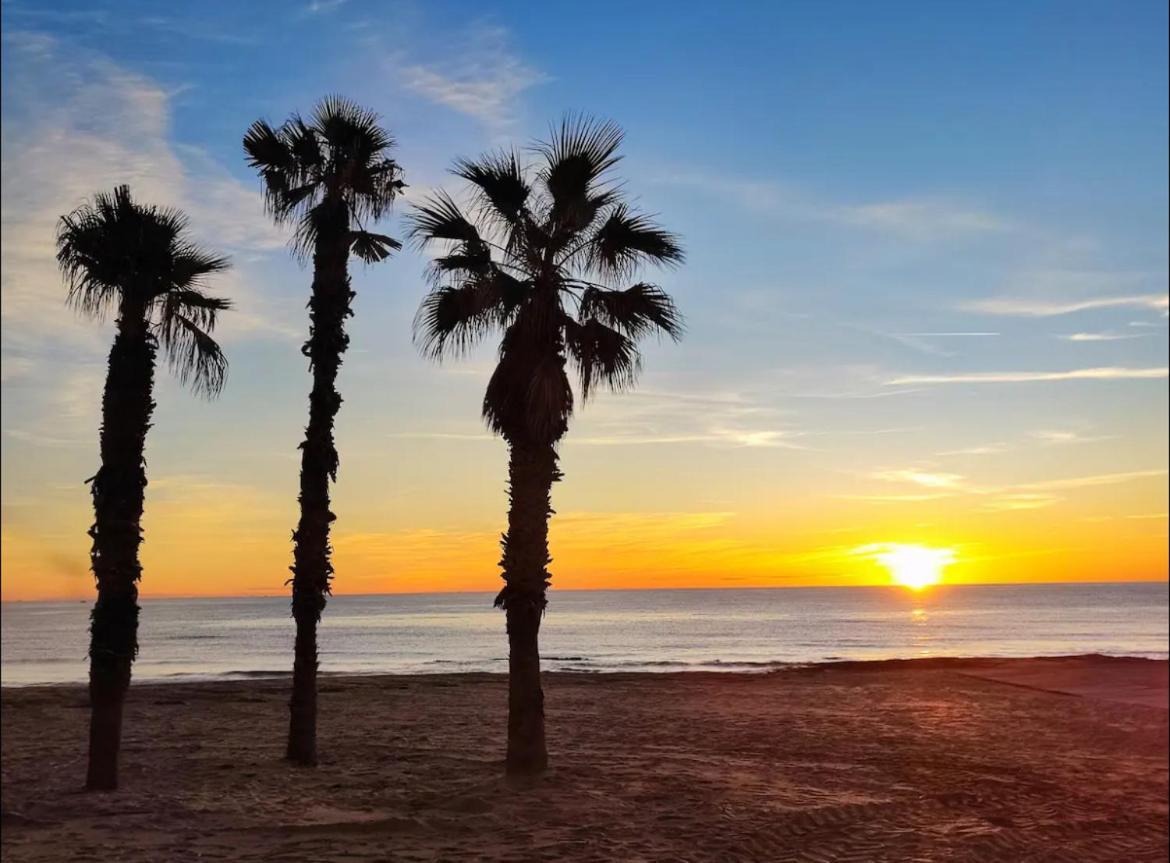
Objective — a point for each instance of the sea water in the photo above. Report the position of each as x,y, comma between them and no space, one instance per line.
604,630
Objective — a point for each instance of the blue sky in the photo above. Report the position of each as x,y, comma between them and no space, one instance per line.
927,262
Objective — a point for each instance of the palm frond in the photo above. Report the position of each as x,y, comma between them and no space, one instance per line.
268,152
303,145
93,281
500,180
190,265
114,247
193,355
350,130
452,320
601,355
340,152
286,201
636,310
439,218
469,259
194,305
371,247
375,187
266,148
578,156
626,240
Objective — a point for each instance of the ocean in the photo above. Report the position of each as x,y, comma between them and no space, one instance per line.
626,630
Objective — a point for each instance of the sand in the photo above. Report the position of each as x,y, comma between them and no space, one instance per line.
918,761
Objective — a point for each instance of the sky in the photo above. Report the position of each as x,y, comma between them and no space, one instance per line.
925,290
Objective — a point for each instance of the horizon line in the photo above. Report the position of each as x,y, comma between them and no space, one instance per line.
892,586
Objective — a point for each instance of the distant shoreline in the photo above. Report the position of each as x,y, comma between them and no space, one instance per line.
491,592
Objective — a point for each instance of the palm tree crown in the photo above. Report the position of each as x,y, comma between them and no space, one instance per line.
336,164
117,253
543,243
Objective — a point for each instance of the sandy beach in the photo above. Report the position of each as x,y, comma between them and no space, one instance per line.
935,760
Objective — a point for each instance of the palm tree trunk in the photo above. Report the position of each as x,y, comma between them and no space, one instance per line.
118,491
312,569
532,469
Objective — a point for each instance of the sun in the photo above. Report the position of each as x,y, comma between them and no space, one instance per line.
915,566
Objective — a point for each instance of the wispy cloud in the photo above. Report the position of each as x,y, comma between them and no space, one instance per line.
1042,308
997,497
1094,480
978,449
1096,374
484,81
922,219
1057,437
324,7
1015,501
925,478
1100,337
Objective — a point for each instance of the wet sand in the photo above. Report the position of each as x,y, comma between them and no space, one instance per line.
934,760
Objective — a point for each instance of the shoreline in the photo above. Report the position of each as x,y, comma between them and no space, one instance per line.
1130,662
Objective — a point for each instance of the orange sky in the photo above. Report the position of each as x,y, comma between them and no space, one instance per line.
217,540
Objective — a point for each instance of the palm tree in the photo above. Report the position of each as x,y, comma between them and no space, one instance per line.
539,244
329,175
117,254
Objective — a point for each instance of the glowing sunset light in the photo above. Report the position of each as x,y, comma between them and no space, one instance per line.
915,566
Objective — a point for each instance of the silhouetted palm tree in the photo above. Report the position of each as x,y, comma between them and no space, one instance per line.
331,175
539,244
117,254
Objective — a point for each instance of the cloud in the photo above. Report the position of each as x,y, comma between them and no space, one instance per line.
72,129
1096,374
917,219
979,449
1100,337
76,124
484,81
921,477
922,219
1045,436
1094,480
1016,501
323,7
1038,308
1058,437
997,498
